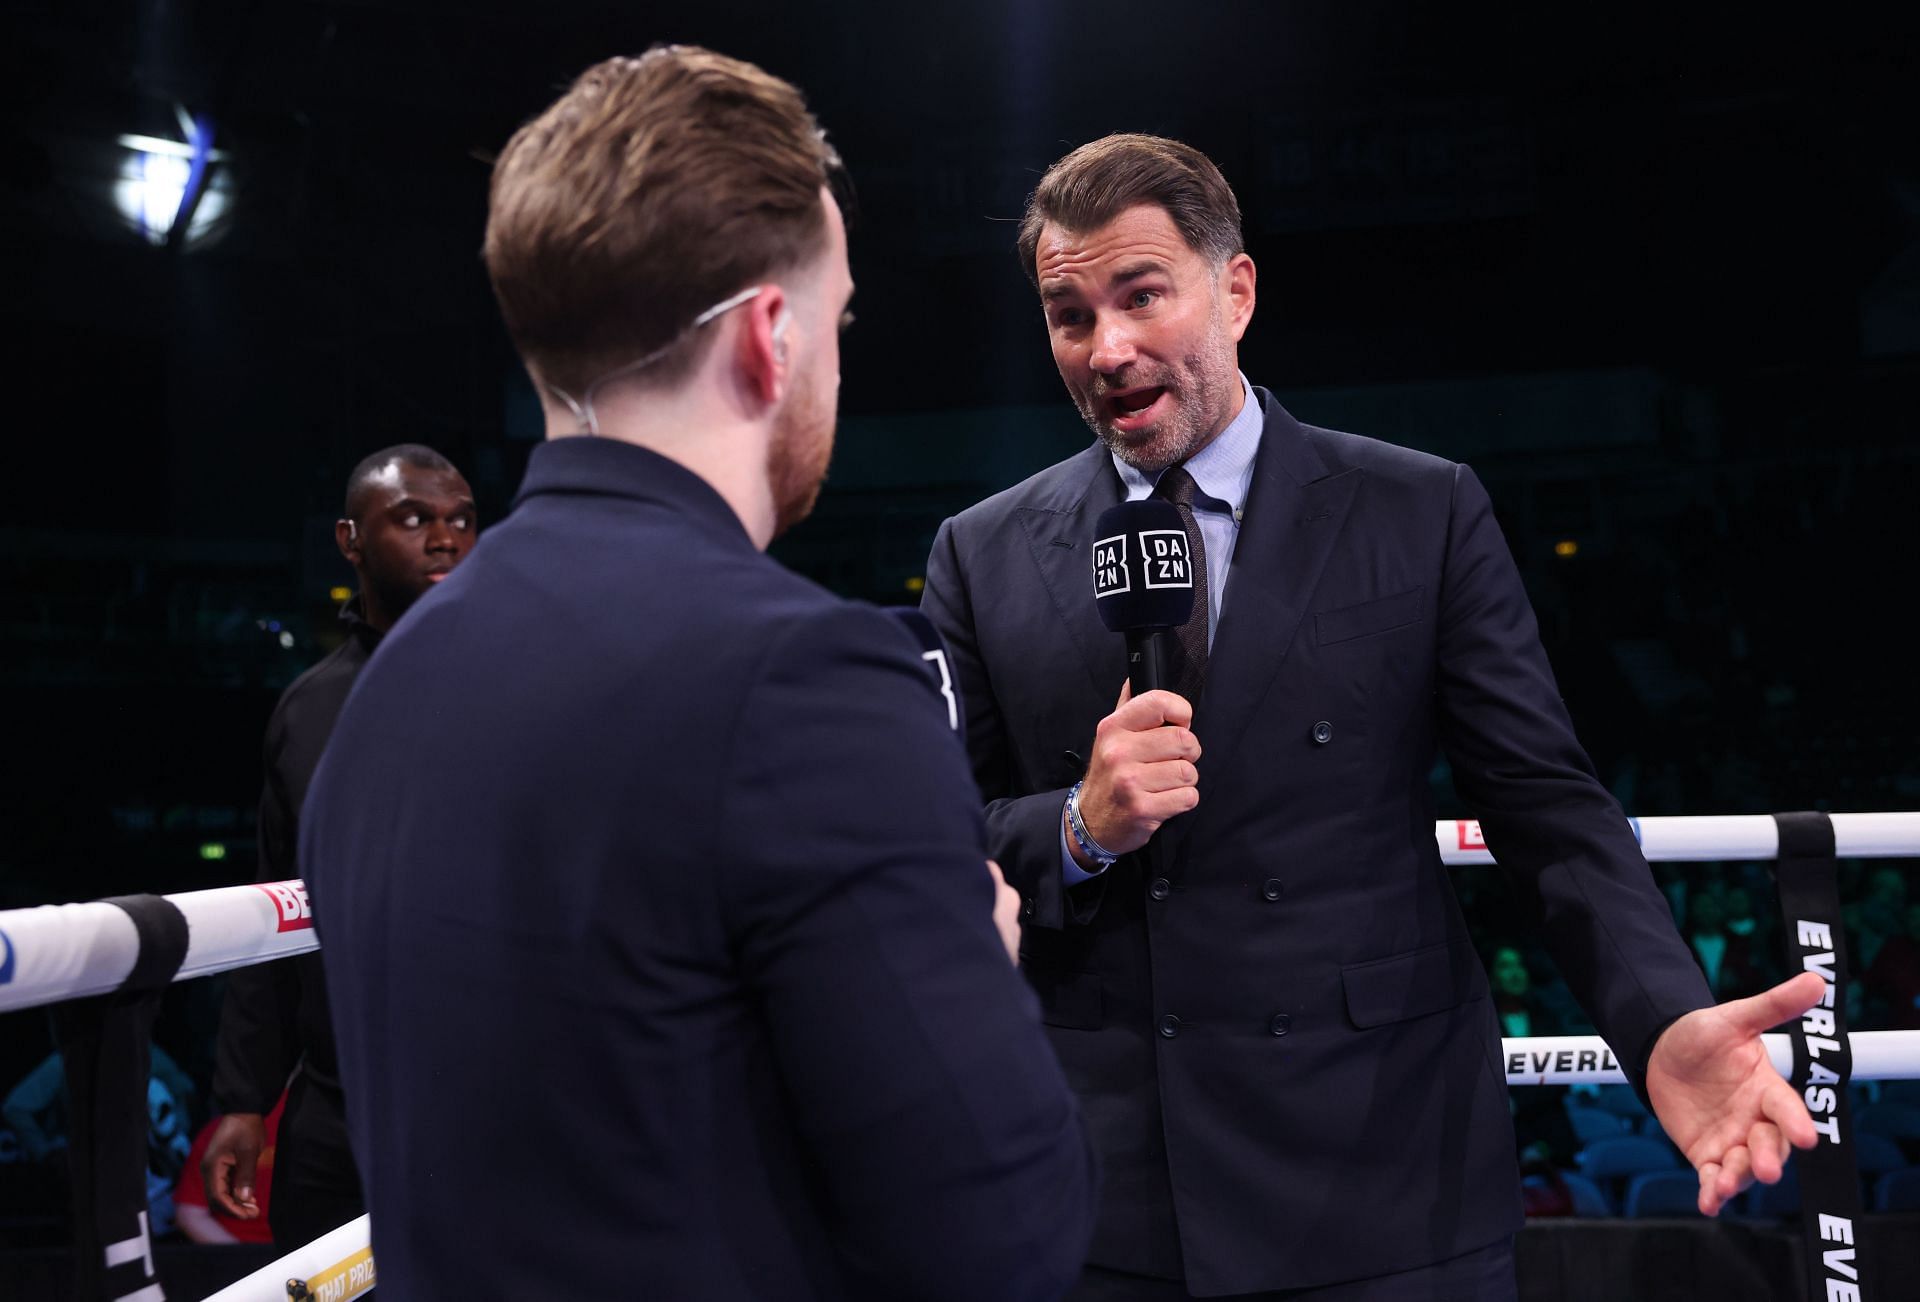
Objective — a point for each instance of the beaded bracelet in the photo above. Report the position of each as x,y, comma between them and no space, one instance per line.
1094,850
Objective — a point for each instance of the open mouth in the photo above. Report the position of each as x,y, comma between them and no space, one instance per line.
1136,407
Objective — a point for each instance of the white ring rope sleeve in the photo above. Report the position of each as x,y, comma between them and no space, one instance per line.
69,951
337,1267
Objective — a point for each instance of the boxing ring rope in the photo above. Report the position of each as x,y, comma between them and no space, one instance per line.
58,952
335,1267
1731,837
69,951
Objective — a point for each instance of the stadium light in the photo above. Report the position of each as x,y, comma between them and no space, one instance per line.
163,186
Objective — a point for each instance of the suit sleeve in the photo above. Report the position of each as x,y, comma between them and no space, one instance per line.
1557,833
259,1039
1023,829
855,886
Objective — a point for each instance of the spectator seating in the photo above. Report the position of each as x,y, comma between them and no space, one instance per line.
1590,1123
1613,1160
1898,1191
1663,1193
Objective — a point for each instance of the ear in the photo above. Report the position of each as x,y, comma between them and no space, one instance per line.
1239,278
346,536
761,346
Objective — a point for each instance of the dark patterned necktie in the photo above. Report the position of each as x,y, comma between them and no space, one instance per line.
1190,663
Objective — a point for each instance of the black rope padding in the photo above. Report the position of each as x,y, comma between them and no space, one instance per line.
1815,941
163,940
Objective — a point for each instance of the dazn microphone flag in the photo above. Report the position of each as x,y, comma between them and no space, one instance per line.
1143,583
1142,570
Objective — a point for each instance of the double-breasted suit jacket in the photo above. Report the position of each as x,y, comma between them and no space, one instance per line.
1272,1013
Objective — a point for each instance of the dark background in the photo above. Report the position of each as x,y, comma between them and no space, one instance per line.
1656,277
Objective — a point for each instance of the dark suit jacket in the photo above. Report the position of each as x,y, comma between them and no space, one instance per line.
650,879
274,1015
1272,1014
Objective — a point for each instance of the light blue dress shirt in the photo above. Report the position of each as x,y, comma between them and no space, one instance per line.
1223,472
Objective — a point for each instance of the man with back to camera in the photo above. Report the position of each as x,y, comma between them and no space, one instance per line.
1252,963
410,519
651,876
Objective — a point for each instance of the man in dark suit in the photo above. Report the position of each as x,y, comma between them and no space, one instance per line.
409,519
1250,959
651,878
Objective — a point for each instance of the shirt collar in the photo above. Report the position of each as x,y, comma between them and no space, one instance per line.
1222,470
585,465
354,616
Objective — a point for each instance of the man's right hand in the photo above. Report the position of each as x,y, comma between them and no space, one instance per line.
1142,772
230,1160
1006,913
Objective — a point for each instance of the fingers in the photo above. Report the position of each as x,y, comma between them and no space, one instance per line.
1783,1003
1154,791
243,1171
1152,710
1006,912
1768,1148
216,1177
1709,1176
1116,743
1142,772
1782,1105
1169,775
1736,1172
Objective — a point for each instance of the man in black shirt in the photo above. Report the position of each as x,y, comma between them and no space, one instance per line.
409,520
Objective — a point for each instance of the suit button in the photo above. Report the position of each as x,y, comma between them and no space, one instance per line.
1322,733
1169,1026
1272,889
1160,888
1027,908
1280,1024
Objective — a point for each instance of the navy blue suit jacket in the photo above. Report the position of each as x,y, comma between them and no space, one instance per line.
651,882
1273,1015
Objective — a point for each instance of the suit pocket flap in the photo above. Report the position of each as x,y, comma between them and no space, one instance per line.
1377,616
1067,999
1413,984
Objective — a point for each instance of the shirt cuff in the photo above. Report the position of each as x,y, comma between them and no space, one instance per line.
1071,872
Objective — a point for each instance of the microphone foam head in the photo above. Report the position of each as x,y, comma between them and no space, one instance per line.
1142,571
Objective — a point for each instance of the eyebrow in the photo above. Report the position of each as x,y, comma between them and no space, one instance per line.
1132,271
417,504
1135,270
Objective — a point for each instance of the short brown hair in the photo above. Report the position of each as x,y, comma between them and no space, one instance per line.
1102,179
653,189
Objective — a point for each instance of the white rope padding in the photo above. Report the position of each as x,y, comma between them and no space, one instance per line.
70,951
337,1266
1731,837
1586,1059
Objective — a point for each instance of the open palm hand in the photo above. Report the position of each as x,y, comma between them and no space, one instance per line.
1718,1096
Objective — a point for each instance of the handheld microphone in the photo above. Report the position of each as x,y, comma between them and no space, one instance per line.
1143,583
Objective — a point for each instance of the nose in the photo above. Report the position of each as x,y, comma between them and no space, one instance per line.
441,537
1112,346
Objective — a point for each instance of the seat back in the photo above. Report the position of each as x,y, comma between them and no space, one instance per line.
1663,1193
1898,1191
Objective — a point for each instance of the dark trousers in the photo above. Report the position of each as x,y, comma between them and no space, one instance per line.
1483,1275
316,1186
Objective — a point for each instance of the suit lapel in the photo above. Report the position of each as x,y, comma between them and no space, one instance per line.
1295,510
1060,540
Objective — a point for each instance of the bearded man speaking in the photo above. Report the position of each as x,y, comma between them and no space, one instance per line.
1250,958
